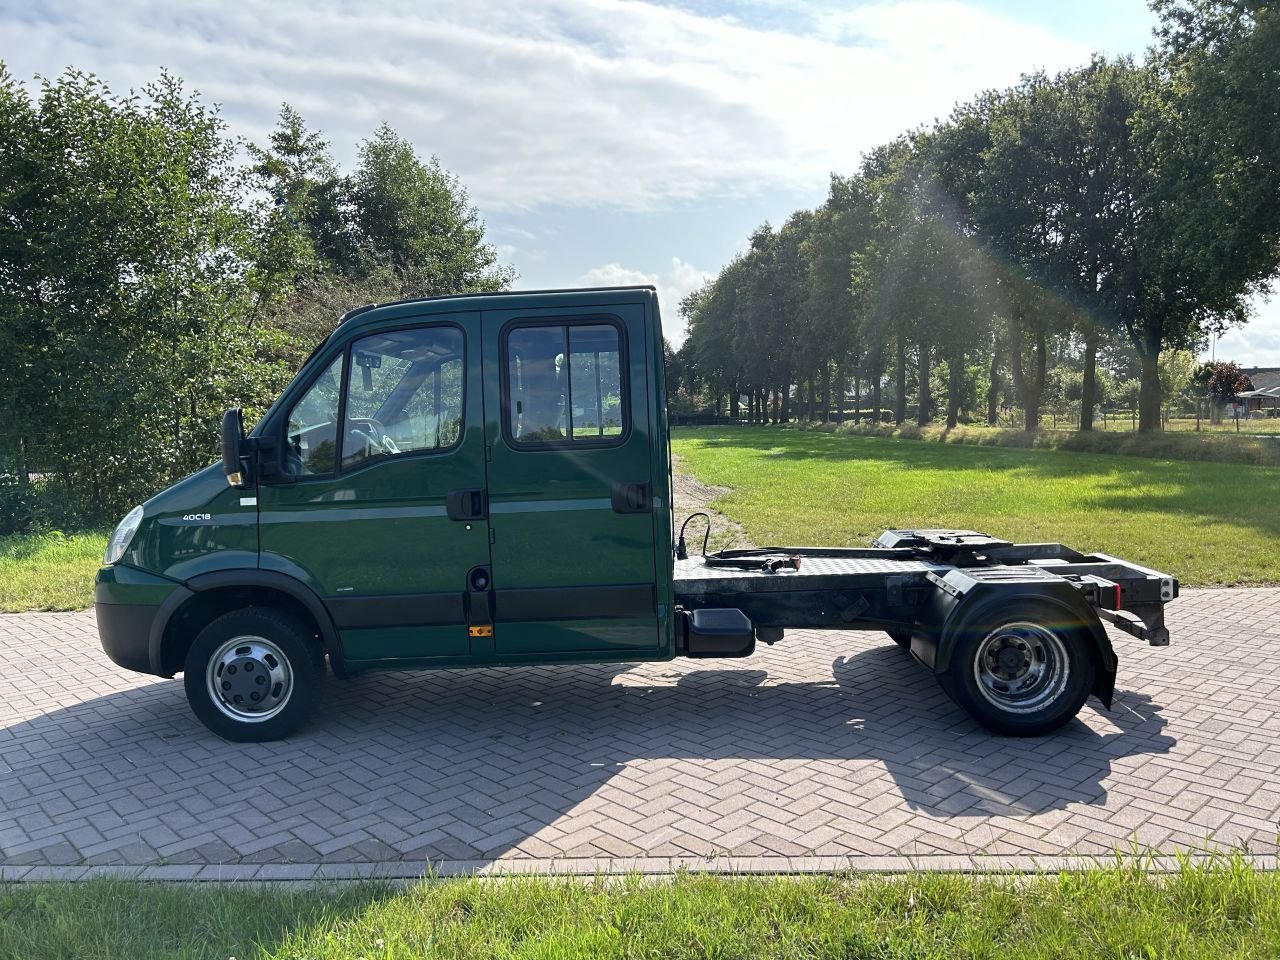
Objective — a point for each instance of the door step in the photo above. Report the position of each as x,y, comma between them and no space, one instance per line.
719,632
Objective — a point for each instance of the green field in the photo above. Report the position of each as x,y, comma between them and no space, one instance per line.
49,571
1223,910
1206,523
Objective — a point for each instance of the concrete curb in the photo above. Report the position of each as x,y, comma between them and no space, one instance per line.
590,867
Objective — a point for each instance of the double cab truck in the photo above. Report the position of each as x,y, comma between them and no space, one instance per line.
485,480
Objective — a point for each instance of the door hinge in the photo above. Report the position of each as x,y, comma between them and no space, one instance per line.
488,453
492,541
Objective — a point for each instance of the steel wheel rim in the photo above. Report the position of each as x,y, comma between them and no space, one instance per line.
1021,667
246,667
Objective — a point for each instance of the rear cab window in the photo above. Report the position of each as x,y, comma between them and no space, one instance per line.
565,384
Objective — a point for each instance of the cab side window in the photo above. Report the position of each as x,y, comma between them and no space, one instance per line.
565,385
404,394
312,438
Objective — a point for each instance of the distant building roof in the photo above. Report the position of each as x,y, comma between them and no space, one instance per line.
1262,378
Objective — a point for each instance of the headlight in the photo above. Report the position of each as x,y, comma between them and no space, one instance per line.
119,541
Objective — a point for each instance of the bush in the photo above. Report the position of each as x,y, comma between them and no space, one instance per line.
42,506
16,504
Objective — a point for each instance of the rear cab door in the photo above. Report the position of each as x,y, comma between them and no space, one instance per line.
569,428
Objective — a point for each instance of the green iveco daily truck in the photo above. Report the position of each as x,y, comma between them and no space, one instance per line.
485,479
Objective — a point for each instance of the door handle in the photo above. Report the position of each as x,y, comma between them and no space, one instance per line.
631,498
469,504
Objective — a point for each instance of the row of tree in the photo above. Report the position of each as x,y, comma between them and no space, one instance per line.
1102,216
150,277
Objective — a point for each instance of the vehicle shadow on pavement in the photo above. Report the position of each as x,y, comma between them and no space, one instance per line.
591,760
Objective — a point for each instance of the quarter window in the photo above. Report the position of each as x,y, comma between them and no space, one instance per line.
313,425
565,385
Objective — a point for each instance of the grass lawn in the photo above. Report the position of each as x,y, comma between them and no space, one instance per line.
1224,910
1205,523
49,571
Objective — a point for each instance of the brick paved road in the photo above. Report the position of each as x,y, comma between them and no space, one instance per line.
827,745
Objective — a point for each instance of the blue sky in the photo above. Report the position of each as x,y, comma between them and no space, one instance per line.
603,141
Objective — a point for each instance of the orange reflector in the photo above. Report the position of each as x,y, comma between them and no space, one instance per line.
480,631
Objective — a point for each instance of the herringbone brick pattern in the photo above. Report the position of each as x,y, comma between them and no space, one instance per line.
827,744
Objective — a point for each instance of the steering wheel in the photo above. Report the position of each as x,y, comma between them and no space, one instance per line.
373,434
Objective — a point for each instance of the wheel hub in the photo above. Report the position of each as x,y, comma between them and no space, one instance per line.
250,679
1010,661
1021,667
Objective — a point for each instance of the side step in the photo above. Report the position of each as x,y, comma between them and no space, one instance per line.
718,632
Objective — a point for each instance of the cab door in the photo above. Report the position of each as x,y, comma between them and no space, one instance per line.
380,502
569,478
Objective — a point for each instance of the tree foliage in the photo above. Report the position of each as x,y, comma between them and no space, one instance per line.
148,280
1110,213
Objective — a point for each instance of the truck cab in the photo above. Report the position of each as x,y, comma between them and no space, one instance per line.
451,481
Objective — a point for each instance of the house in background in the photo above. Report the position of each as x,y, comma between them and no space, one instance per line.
1265,395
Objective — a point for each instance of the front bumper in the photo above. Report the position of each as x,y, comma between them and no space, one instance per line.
127,603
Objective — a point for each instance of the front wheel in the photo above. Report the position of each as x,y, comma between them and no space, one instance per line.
251,675
1017,676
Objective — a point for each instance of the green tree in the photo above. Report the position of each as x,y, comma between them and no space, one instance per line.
127,307
414,218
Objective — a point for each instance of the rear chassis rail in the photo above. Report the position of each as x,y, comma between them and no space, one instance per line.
892,586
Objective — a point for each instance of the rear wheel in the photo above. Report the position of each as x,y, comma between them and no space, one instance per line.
1018,676
251,675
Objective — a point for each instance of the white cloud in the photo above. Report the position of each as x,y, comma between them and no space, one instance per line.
590,103
673,283
1258,343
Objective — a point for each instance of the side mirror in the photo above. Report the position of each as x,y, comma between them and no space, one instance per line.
232,440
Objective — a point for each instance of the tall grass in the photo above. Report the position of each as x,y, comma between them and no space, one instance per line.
1216,447
49,571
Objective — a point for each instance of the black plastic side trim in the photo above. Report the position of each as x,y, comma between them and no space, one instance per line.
410,609
271,580
155,642
577,603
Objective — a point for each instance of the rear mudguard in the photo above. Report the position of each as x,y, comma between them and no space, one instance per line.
965,599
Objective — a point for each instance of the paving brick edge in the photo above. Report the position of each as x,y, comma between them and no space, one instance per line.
587,867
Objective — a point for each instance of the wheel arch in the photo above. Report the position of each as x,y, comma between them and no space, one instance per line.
981,606
209,595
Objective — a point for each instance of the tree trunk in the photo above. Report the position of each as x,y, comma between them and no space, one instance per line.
955,387
1149,391
876,374
734,409
926,401
826,394
1030,388
900,378
1089,386
993,388
811,411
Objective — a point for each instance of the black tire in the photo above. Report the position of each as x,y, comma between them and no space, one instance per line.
1050,701
901,637
278,661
